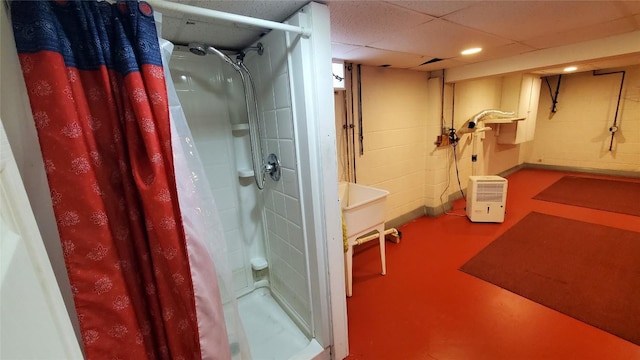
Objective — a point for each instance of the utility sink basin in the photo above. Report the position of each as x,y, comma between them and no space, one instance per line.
362,206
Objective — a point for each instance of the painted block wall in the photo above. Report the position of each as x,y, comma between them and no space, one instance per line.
394,111
577,135
437,158
401,120
286,242
472,97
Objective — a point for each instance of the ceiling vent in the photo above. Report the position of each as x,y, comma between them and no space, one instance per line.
434,60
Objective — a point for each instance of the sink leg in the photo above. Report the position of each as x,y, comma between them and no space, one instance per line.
382,249
348,259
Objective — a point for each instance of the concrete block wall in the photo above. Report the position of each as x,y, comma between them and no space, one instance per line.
394,130
577,135
401,119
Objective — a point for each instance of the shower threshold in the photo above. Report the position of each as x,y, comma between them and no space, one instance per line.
271,333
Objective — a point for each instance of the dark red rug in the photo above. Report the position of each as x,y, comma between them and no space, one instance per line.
587,271
602,194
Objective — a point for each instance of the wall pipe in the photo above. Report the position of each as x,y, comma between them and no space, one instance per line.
361,131
554,98
614,128
395,236
172,7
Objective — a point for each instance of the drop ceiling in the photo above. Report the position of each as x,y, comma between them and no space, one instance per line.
408,34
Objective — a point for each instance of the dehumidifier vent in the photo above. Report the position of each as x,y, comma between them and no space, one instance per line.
490,192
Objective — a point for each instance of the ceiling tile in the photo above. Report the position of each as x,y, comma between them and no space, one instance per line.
439,38
444,64
364,22
522,20
586,33
377,57
498,52
340,51
434,8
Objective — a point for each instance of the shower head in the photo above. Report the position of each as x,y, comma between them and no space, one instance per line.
197,48
212,50
201,49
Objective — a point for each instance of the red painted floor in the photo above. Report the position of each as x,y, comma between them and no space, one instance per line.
425,308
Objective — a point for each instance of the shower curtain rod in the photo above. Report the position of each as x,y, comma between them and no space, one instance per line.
169,6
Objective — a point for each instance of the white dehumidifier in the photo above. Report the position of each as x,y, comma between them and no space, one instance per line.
486,198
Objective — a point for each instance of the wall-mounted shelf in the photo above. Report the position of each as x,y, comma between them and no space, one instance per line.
245,173
502,121
240,127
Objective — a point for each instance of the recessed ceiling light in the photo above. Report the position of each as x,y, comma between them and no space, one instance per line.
570,68
471,51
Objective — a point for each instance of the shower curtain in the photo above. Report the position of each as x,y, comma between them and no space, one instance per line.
143,284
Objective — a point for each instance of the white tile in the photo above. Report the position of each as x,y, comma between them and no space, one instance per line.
219,175
285,123
239,280
298,262
287,154
229,219
289,181
293,210
279,204
231,238
271,124
225,198
271,220
236,259
281,227
273,147
281,90
296,237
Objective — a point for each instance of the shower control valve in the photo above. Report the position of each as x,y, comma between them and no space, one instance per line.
272,167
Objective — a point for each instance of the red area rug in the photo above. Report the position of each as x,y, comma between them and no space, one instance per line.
587,271
602,194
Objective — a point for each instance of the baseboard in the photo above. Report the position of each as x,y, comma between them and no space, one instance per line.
435,211
621,173
403,219
512,170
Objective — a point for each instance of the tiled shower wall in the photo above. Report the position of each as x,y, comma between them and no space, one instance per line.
286,245
206,87
203,88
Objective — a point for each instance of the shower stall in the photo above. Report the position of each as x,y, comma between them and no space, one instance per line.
246,112
254,117
283,233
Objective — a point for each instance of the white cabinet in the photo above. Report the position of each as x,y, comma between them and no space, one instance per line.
520,93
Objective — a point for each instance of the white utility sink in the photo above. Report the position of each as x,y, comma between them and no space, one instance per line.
362,206
363,212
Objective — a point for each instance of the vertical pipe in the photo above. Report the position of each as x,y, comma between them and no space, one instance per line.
352,152
554,108
614,127
361,136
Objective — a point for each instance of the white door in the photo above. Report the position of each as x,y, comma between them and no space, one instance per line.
34,323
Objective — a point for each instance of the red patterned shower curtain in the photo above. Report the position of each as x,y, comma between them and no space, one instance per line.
95,80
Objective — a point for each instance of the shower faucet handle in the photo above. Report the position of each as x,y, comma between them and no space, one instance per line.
272,167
